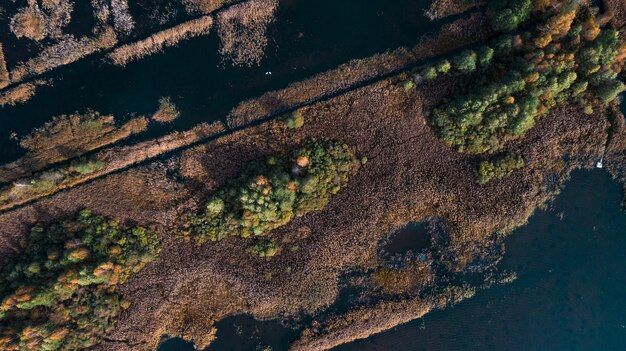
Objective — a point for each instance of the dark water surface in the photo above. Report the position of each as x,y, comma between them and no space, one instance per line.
307,38
569,294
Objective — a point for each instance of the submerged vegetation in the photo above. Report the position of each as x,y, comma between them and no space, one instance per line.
567,55
269,194
167,112
60,293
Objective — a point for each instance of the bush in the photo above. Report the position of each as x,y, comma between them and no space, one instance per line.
609,91
507,15
408,85
269,194
295,120
485,56
498,167
429,73
443,67
59,293
264,248
502,45
466,61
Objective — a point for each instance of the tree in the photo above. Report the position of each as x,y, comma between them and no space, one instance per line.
466,61
429,73
609,91
507,15
485,55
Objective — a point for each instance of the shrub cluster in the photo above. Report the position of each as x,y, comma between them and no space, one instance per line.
264,248
59,294
269,194
48,181
294,120
498,167
507,15
568,56
467,61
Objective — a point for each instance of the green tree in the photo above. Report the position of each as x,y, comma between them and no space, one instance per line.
466,61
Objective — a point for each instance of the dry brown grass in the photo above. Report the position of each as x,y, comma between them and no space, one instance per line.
410,176
124,54
467,30
58,15
403,281
4,73
101,10
64,52
618,7
243,31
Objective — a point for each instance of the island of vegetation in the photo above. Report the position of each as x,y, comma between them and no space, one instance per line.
109,243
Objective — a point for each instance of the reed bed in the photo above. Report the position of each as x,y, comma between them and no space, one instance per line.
64,52
204,6
444,8
5,79
155,43
243,31
108,161
122,19
21,93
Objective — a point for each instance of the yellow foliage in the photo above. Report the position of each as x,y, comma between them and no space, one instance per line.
591,29
79,254
533,77
543,40
541,5
58,334
559,25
